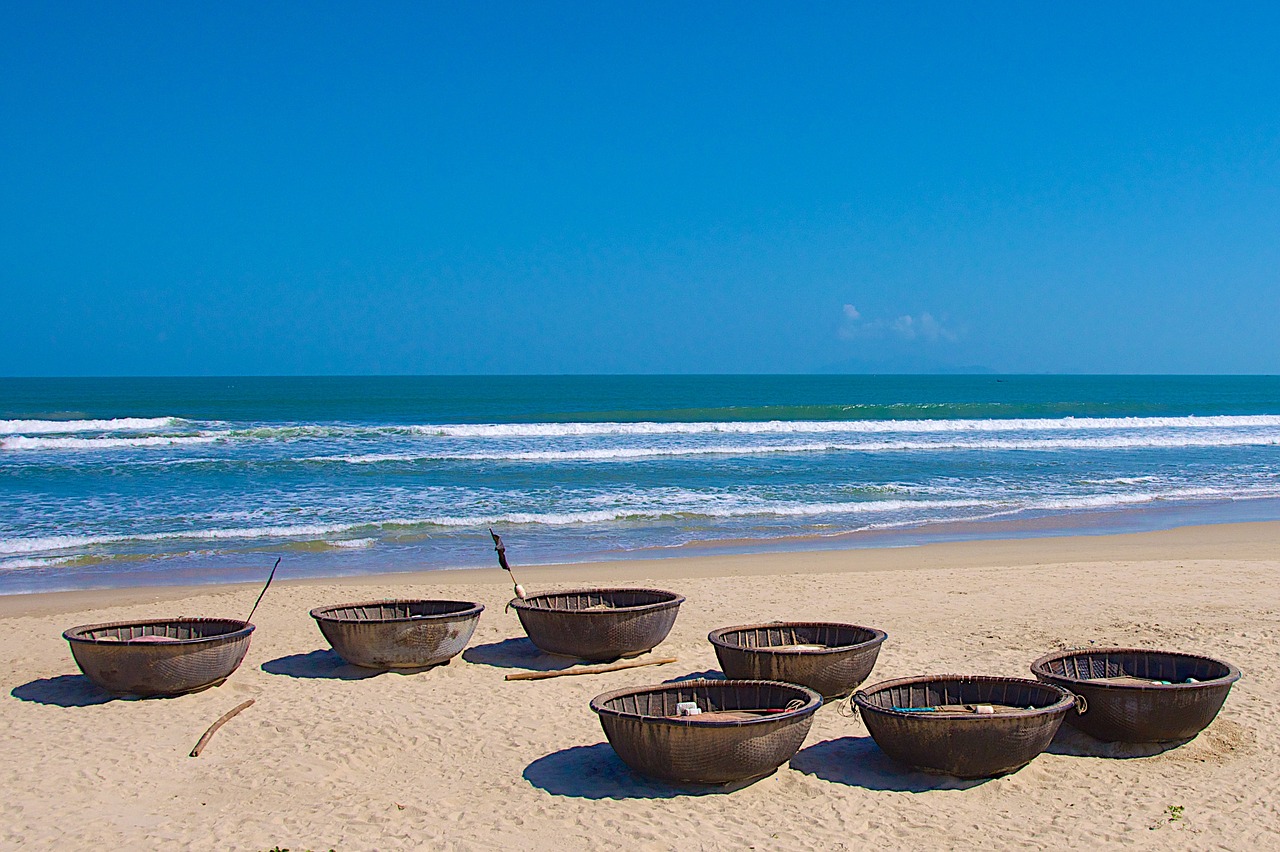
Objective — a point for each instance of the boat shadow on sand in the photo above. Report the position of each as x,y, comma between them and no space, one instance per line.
706,674
78,691
596,772
517,653
64,691
327,665
859,762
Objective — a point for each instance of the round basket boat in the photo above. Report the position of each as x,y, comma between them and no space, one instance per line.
398,634
829,658
598,624
1140,696
746,728
162,657
937,723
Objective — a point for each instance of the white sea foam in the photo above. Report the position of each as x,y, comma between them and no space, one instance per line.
943,441
1086,502
791,427
63,543
1121,480
1103,501
37,562
295,431
118,424
352,542
1269,425
23,443
73,542
707,507
622,454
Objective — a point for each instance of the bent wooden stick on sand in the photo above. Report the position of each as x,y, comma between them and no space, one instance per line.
590,670
213,729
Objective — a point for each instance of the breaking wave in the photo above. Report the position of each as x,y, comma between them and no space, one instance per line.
117,424
24,443
623,454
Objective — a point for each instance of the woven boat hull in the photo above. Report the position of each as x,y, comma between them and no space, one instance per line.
969,746
642,728
398,634
1148,713
205,651
598,624
751,652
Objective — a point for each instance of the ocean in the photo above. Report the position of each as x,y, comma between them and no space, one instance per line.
111,482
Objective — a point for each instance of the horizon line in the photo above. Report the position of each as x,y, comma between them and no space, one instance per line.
948,374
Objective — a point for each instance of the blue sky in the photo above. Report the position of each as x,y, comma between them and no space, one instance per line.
286,188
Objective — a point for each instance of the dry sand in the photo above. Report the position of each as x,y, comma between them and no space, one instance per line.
456,758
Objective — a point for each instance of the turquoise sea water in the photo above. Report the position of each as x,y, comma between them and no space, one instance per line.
118,481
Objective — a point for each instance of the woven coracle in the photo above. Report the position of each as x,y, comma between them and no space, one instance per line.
398,634
1124,711
598,624
964,744
643,728
161,657
777,651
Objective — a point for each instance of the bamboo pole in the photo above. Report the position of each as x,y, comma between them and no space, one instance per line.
590,670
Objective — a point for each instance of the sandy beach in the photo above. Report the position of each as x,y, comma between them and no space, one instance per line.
332,756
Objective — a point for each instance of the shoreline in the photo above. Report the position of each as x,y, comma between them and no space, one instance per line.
1082,523
1248,541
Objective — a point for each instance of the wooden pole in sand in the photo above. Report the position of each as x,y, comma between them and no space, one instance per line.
270,577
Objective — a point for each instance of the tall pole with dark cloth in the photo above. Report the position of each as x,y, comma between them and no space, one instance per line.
502,560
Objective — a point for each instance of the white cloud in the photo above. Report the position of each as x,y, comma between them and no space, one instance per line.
904,326
922,327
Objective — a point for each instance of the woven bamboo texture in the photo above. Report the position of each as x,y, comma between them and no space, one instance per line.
1140,713
643,728
598,624
202,652
967,745
398,634
767,652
